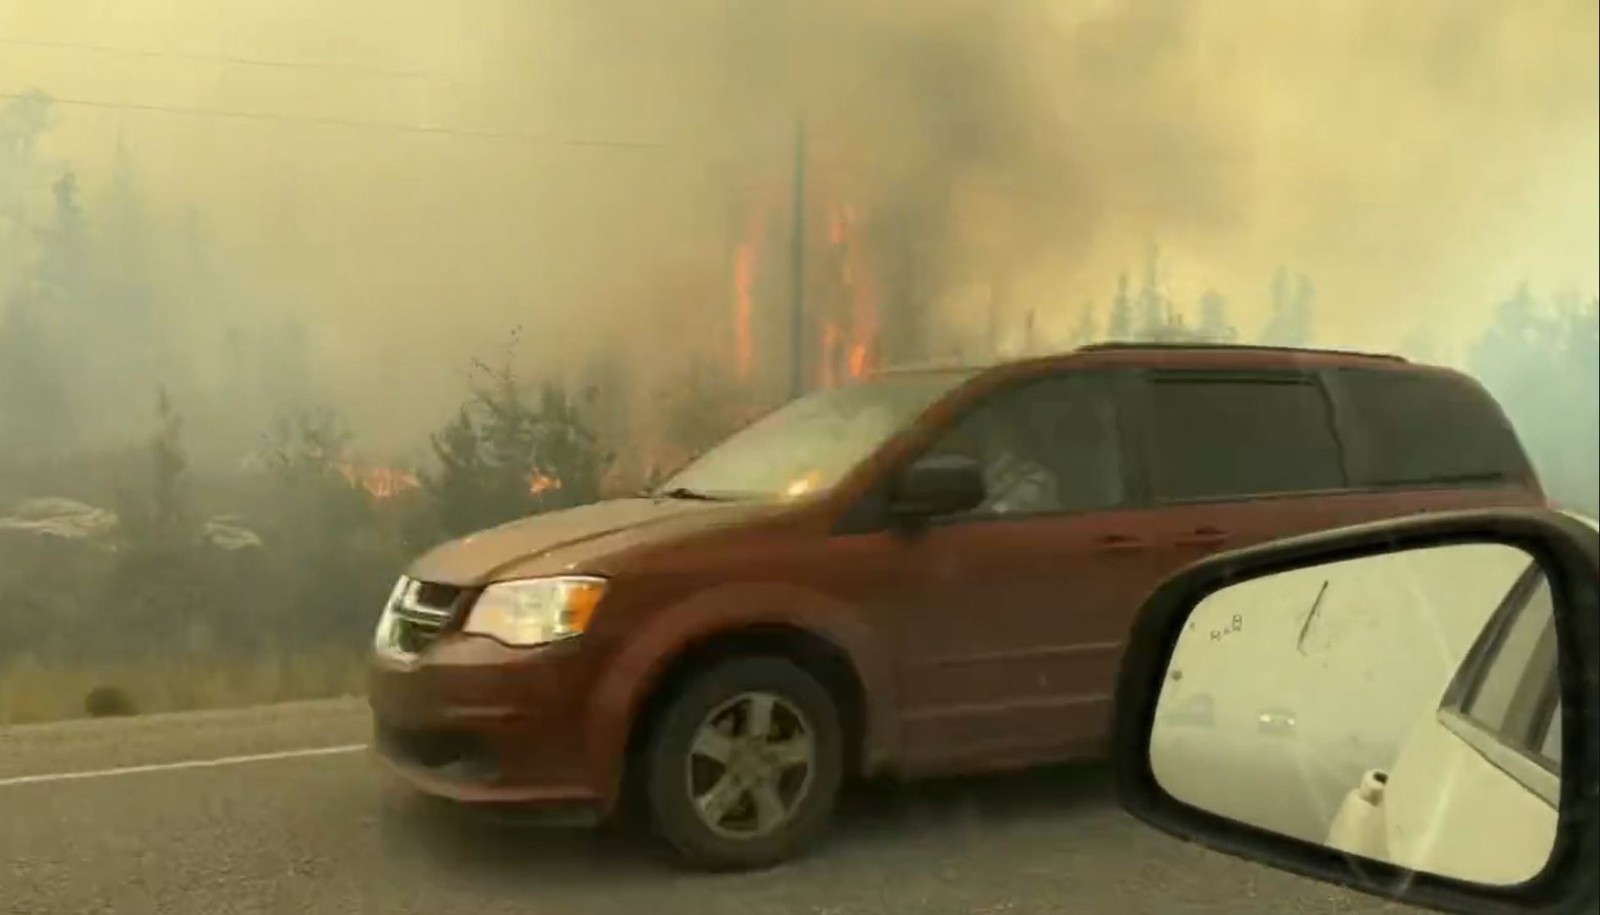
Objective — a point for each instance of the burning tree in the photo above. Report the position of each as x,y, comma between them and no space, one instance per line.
315,481
332,530
826,253
511,452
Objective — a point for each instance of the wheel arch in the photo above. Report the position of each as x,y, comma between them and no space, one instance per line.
828,641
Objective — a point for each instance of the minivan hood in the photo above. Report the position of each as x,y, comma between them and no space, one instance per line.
574,539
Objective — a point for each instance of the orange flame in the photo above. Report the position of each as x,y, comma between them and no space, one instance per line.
841,290
856,277
858,361
746,263
542,483
379,482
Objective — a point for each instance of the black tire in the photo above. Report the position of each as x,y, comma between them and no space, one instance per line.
673,814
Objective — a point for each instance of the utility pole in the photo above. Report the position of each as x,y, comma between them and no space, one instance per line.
797,264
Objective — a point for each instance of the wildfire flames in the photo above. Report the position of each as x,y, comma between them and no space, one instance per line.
841,305
377,481
384,483
848,228
840,290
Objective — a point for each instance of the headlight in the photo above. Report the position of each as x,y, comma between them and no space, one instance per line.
383,639
535,610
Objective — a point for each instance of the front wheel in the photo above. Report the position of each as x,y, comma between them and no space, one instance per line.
745,765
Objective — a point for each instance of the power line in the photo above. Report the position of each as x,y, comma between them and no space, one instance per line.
224,59
230,114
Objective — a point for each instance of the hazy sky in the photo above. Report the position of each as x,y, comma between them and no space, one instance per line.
1415,157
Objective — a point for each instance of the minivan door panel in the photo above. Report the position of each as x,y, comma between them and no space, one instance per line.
1012,643
1010,639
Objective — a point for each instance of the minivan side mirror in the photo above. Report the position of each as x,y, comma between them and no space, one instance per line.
943,484
1420,625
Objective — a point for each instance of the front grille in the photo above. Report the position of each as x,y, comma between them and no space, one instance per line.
421,611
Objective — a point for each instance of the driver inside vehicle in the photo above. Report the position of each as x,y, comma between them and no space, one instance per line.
1017,479
1057,454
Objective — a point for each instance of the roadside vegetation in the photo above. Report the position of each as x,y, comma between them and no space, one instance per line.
132,581
162,548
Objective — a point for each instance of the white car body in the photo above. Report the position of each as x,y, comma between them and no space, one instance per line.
1280,749
1453,785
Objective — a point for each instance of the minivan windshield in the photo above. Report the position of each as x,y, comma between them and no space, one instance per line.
808,444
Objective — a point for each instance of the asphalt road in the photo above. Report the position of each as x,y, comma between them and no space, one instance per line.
252,831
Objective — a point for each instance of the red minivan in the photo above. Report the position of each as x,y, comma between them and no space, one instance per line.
930,572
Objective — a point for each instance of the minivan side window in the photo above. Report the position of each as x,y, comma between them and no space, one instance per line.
1409,429
1218,437
1046,447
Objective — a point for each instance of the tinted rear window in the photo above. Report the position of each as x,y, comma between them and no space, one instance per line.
1413,429
1220,437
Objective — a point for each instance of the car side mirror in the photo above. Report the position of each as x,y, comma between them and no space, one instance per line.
1407,708
935,485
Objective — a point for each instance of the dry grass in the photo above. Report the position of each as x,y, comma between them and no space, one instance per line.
31,692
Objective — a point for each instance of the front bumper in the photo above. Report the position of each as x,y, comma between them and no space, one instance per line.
472,720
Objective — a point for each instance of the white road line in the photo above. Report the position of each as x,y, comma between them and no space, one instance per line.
184,764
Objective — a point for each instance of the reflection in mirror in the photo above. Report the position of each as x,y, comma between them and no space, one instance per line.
1403,707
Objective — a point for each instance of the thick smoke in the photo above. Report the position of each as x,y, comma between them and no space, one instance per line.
1414,158
1417,160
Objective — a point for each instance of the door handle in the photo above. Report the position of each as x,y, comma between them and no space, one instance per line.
1121,542
1203,536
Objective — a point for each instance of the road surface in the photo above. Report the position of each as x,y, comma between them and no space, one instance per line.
226,813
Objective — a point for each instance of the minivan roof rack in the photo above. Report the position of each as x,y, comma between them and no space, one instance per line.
1114,345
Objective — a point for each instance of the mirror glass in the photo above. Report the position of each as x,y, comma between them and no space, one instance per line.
1403,707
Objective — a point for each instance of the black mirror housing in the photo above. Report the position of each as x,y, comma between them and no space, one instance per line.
1569,551
937,485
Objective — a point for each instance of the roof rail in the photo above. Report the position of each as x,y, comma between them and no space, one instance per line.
1115,345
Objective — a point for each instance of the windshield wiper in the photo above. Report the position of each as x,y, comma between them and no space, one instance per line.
686,494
